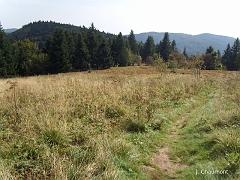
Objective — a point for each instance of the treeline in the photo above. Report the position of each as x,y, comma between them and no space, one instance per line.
39,32
70,51
210,60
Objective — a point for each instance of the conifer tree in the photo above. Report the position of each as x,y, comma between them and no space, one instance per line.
132,43
93,43
226,58
81,56
58,53
234,52
119,51
104,55
165,47
173,45
70,45
149,48
8,61
3,63
237,61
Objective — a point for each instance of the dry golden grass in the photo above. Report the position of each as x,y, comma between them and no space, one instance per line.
74,125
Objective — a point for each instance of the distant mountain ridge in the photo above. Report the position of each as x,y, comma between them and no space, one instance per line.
193,43
11,30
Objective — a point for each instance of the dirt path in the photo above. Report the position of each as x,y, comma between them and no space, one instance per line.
164,163
162,160
161,163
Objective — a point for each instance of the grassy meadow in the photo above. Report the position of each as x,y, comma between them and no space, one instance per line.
110,124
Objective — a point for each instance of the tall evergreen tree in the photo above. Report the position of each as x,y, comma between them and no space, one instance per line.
119,51
165,47
174,45
149,48
81,59
93,43
104,55
234,52
237,61
226,58
58,53
70,45
133,43
8,61
3,63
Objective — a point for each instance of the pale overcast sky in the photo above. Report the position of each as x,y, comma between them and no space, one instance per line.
221,17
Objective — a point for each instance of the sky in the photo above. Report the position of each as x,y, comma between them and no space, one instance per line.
220,17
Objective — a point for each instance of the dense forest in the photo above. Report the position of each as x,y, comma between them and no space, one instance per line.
39,32
79,48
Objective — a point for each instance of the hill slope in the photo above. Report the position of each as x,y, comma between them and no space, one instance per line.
193,44
40,31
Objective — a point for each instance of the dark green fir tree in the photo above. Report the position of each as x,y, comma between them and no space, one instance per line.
149,48
8,60
226,58
81,56
119,51
132,43
165,47
58,52
104,55
93,43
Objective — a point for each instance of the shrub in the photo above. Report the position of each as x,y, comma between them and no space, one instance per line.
134,125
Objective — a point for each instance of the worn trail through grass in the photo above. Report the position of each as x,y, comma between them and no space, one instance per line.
162,159
198,139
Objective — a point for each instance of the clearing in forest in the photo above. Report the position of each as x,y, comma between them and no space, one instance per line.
121,123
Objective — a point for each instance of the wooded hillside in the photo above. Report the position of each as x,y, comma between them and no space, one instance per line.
49,47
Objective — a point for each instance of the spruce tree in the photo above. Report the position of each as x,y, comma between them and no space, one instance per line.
70,45
58,53
119,51
8,61
237,61
165,47
81,56
3,63
149,48
234,52
132,43
93,43
226,58
173,45
104,55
